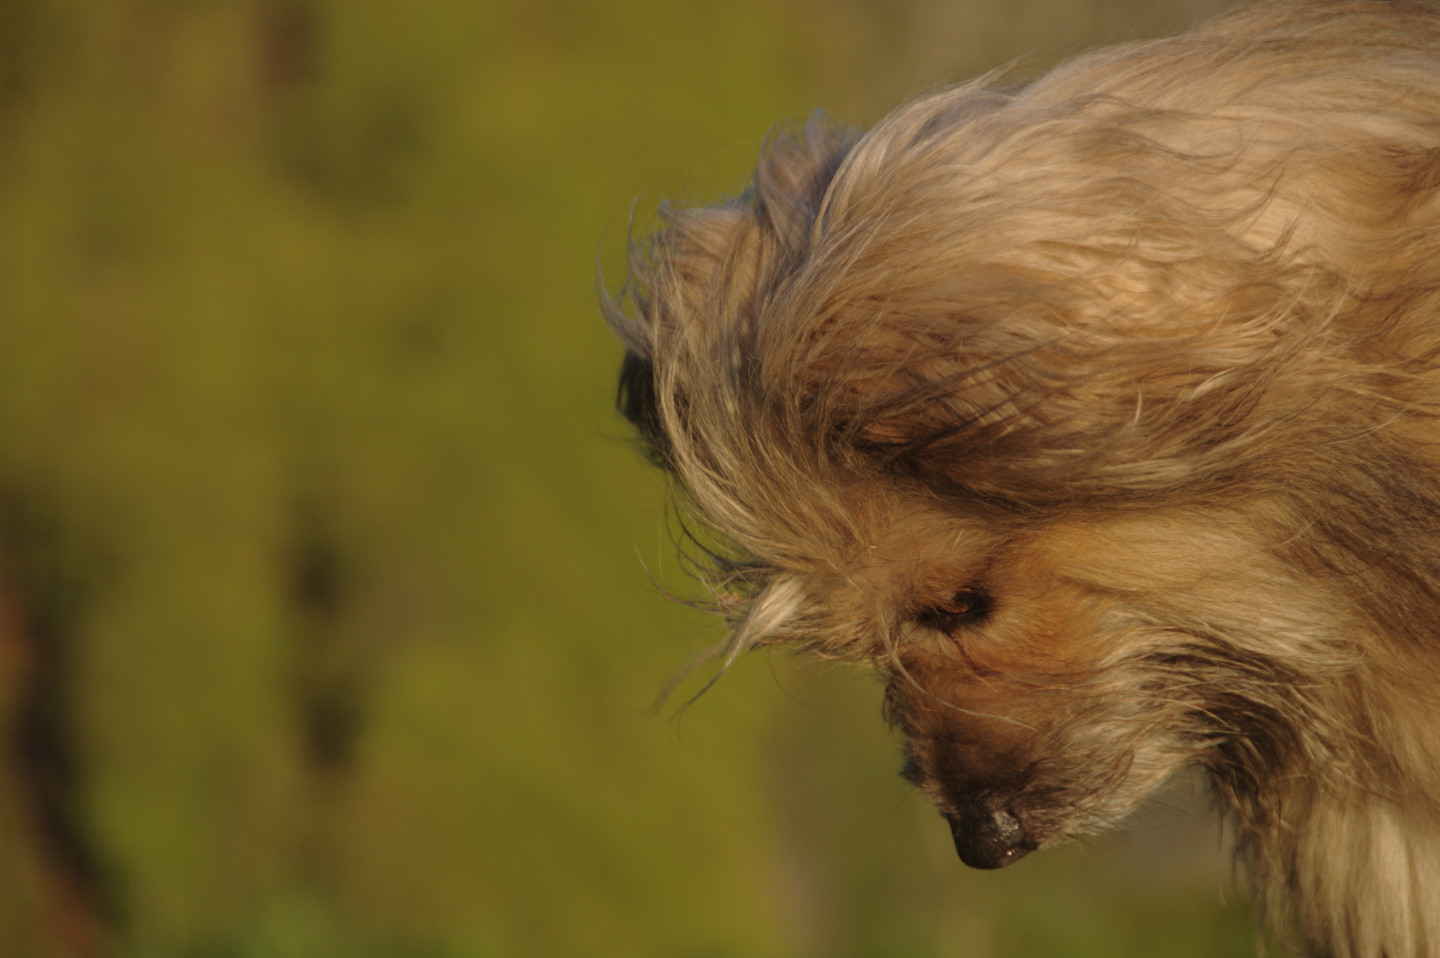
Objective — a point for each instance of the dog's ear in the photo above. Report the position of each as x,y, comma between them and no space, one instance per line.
689,313
635,399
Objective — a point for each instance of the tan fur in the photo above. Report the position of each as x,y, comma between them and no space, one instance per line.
1099,413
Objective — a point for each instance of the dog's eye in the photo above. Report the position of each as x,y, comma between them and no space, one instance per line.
965,608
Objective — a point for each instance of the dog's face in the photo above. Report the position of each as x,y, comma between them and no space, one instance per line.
1047,677
998,682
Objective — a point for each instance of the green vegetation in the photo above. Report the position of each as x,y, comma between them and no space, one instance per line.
322,630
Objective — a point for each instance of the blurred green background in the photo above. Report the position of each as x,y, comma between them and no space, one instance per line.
325,619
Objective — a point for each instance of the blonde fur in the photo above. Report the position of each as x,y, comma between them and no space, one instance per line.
1100,414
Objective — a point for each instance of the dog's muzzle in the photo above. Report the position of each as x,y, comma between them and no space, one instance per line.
989,839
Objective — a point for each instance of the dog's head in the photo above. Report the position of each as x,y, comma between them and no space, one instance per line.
1028,397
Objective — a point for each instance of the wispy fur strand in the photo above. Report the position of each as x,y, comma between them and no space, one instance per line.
1100,414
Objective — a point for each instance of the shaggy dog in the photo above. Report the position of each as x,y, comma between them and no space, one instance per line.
1100,414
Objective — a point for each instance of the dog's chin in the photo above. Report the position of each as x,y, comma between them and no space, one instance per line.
996,827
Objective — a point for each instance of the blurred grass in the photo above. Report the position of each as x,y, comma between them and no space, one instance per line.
321,627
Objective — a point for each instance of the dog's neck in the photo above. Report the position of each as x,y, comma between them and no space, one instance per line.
1354,859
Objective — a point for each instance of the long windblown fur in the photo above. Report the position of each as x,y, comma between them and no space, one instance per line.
1100,414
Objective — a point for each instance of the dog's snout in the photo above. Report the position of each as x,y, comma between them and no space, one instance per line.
988,838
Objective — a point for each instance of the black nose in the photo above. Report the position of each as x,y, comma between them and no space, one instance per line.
989,839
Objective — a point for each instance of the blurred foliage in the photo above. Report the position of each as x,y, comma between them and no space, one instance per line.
322,630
